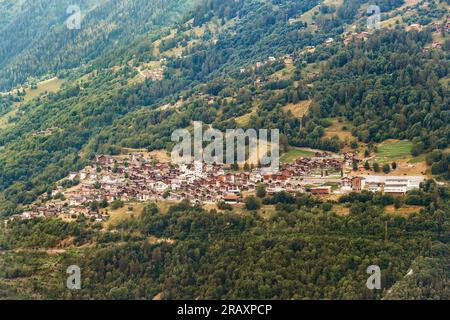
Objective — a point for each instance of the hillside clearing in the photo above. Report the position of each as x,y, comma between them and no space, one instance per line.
294,154
405,210
298,110
50,85
391,150
340,128
119,215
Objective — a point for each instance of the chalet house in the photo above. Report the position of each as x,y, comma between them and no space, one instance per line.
267,177
145,195
321,190
232,199
358,184
233,189
259,82
288,60
27,215
255,177
77,200
414,26
103,160
329,41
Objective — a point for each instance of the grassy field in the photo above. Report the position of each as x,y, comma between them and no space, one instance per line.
243,120
51,85
308,16
294,154
283,74
340,129
299,109
405,210
394,150
121,214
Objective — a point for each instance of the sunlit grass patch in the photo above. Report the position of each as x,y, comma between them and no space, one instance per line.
294,154
394,150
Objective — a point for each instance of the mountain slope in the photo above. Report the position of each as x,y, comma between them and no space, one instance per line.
109,105
133,75
36,40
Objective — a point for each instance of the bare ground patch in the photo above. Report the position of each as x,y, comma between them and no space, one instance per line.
405,210
299,109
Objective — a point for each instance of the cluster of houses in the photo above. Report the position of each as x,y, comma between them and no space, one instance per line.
433,27
45,132
286,59
350,37
440,27
155,74
139,178
293,21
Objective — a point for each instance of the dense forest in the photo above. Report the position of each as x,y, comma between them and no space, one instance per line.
318,254
389,88
106,25
6,104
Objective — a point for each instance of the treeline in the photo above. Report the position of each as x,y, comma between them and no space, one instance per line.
43,233
6,103
440,163
191,253
389,88
429,279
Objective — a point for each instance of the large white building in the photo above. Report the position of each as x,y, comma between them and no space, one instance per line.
391,184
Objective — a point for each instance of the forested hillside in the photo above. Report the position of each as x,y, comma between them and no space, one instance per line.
388,87
138,70
36,41
303,251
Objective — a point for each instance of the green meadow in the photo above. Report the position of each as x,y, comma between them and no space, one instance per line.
394,150
294,154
